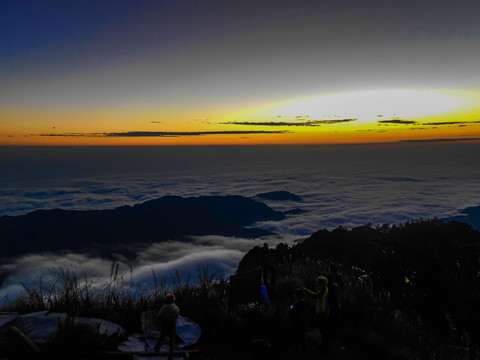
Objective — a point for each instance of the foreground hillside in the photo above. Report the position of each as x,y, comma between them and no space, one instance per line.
411,292
414,287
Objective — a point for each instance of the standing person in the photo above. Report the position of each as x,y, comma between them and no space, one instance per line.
335,294
320,293
267,258
299,314
167,316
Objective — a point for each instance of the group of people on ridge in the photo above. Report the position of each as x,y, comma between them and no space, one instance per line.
327,292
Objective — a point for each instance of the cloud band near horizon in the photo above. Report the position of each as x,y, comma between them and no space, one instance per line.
161,133
312,123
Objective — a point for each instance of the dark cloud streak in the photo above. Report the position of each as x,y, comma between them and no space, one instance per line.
439,140
272,123
397,121
161,133
412,122
312,123
452,123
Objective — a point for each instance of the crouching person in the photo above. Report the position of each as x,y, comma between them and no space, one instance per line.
167,317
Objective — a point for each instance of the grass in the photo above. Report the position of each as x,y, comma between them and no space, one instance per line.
370,324
121,299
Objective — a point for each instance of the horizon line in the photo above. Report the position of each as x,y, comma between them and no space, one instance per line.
396,142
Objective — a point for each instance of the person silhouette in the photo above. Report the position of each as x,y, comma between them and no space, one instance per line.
299,314
167,317
267,259
335,296
320,293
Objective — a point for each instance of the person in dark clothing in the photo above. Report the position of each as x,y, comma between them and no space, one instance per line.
267,257
335,295
299,315
167,317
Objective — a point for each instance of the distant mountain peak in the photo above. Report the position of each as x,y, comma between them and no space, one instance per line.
469,215
279,196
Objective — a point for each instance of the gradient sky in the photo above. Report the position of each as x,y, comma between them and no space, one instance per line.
238,72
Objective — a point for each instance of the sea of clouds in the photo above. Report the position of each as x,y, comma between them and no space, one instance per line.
348,186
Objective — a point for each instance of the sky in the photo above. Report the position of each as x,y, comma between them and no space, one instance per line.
238,72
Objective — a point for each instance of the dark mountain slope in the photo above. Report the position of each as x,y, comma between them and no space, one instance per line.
169,217
429,269
470,215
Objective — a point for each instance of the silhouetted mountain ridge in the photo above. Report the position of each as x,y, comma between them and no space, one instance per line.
279,196
470,215
169,217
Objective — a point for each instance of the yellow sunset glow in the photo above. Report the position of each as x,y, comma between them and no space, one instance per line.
361,105
368,116
349,117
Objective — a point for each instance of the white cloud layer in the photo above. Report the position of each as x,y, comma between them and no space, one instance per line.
220,255
346,187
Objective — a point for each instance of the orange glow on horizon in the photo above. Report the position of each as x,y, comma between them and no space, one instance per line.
356,117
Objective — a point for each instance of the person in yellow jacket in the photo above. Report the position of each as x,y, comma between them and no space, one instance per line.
320,293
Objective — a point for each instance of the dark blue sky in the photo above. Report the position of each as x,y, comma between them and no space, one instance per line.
43,34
